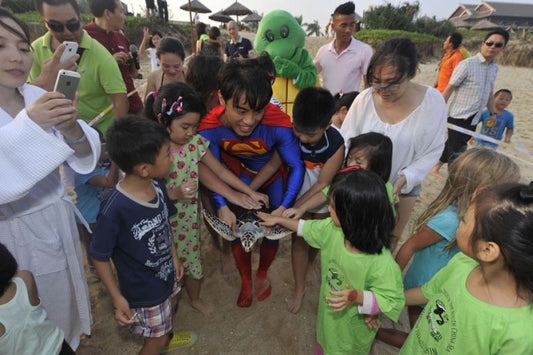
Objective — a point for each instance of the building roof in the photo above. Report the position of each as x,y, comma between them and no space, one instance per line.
510,9
463,10
461,23
487,13
485,25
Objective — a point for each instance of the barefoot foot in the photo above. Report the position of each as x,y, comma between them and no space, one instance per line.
246,296
204,307
437,175
228,266
295,302
263,289
435,171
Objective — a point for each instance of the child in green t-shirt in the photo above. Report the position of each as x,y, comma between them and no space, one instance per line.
359,274
481,302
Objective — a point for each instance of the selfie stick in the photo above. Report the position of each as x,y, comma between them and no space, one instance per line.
111,106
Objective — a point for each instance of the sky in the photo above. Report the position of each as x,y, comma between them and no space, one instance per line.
310,9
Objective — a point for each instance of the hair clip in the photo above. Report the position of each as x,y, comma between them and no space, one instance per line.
176,105
351,168
163,105
341,93
526,193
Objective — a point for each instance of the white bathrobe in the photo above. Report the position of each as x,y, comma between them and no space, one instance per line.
37,221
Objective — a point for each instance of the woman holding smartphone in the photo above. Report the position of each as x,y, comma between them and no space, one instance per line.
38,132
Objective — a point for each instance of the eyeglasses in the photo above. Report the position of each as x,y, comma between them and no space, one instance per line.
495,44
389,87
59,27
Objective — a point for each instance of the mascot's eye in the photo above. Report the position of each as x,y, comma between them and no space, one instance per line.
284,31
269,35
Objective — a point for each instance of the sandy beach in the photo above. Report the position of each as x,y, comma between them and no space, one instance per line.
267,327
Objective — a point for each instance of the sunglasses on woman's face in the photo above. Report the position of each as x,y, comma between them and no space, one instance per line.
59,27
495,44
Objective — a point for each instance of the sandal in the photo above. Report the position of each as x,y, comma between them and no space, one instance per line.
181,339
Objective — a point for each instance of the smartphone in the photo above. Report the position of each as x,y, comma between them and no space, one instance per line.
71,48
67,83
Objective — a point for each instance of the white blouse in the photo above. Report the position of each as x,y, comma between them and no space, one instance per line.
418,140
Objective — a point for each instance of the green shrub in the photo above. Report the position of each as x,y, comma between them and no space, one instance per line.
18,6
401,17
432,26
33,16
427,46
391,17
376,37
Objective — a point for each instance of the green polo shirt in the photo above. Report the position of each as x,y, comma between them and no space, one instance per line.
100,77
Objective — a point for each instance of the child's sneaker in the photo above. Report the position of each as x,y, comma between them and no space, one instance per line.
181,339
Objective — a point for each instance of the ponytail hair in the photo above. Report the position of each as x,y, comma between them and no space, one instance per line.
504,215
173,101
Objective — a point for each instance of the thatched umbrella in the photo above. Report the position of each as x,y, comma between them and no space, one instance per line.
253,17
237,9
220,17
196,6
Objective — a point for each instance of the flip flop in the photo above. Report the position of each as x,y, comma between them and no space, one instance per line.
181,339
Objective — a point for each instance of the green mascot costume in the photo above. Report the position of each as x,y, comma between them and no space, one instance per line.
280,35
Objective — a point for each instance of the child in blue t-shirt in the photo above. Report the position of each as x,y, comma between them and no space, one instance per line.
482,301
504,120
322,150
133,229
432,244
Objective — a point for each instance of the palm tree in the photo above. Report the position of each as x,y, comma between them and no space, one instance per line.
313,28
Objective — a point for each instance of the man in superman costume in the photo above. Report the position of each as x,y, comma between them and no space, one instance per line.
244,131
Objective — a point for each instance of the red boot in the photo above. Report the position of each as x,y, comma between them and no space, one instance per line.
244,264
267,253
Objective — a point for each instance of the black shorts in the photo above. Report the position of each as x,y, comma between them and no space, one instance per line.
150,4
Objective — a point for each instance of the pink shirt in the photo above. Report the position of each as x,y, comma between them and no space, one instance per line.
343,71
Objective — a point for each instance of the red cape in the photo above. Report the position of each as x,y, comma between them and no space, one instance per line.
273,116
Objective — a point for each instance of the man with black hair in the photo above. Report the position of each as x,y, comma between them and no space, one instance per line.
105,28
246,130
469,91
101,83
453,54
343,62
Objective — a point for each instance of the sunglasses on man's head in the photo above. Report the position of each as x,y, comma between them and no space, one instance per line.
59,27
495,44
